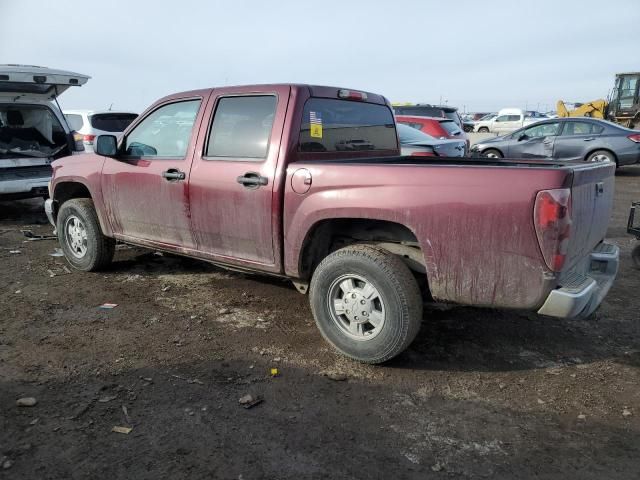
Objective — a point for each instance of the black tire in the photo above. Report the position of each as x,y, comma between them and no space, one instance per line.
601,153
483,130
97,250
635,256
398,293
492,153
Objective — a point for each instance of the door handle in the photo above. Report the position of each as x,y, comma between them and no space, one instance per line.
589,139
173,174
252,180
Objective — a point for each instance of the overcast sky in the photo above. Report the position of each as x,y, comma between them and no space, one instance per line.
476,55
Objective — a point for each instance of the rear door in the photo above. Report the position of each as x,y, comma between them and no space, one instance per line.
231,188
146,188
576,140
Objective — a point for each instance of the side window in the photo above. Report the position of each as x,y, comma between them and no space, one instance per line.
502,118
513,118
241,127
74,120
544,130
581,128
165,132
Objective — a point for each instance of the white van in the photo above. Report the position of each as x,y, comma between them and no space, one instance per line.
508,120
33,130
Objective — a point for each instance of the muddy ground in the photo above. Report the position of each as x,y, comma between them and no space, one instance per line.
480,394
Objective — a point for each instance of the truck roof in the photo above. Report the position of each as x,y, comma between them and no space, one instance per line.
313,91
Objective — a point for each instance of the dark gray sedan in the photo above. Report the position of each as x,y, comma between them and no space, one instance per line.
570,139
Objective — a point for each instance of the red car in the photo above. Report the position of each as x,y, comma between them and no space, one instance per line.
306,183
438,127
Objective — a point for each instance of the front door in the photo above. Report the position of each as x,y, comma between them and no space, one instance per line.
146,187
535,142
231,189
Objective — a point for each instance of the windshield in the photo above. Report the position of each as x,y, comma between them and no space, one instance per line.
488,116
411,135
30,131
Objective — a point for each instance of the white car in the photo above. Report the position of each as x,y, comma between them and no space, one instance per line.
91,123
33,130
507,120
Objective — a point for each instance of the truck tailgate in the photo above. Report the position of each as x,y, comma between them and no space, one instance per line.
591,206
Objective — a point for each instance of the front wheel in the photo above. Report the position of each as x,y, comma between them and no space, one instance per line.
83,243
483,130
492,153
366,303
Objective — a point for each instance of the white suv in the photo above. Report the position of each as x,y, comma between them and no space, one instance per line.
90,124
33,131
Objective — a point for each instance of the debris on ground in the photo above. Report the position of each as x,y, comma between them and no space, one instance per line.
274,372
108,306
224,311
626,412
167,288
189,380
33,237
124,430
15,252
107,398
7,464
126,414
249,401
57,252
582,416
26,402
336,377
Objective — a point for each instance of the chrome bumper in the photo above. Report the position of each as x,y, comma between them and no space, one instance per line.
583,289
48,209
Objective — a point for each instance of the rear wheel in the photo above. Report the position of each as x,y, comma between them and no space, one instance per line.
601,156
635,256
483,130
80,236
366,303
492,153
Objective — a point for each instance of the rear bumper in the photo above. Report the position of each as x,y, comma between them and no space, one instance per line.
584,288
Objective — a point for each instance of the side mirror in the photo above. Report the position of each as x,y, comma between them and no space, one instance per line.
523,136
106,145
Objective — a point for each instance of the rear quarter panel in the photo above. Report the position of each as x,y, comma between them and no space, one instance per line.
474,223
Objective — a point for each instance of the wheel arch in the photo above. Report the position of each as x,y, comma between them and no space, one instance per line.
328,235
608,150
65,190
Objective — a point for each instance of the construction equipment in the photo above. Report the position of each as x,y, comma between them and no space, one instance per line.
594,109
624,101
622,105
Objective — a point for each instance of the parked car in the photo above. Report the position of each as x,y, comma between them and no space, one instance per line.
507,120
251,178
437,127
417,143
567,139
33,131
91,123
426,110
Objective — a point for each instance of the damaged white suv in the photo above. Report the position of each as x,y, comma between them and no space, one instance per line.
33,130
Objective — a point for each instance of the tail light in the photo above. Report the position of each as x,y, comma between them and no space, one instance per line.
352,95
424,153
552,218
78,146
89,139
634,137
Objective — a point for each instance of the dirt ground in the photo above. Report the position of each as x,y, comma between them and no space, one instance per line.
480,393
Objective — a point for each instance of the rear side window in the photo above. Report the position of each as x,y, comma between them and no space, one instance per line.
74,120
451,127
112,122
241,127
330,125
581,128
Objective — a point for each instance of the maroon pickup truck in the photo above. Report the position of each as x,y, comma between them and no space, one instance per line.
306,182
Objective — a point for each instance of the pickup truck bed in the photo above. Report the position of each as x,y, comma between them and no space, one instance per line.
305,182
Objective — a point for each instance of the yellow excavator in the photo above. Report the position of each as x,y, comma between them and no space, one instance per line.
622,106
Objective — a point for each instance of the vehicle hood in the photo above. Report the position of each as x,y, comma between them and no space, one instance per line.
38,83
